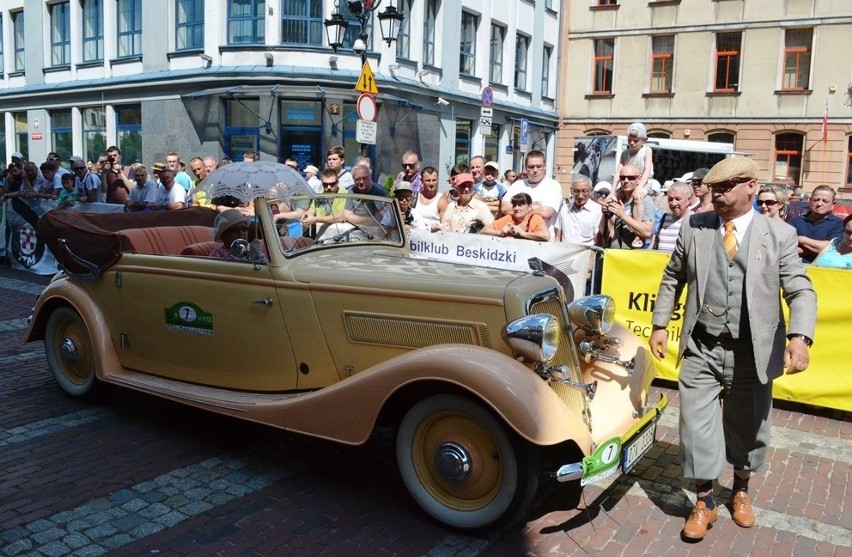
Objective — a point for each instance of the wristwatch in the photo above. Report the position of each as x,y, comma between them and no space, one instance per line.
805,339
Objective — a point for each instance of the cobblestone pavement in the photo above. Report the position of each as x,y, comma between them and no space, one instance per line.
135,475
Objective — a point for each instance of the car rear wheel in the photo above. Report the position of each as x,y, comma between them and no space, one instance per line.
70,353
460,464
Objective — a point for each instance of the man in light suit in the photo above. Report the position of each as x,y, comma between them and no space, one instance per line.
737,263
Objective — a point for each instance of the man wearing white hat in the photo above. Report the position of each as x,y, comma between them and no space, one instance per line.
311,172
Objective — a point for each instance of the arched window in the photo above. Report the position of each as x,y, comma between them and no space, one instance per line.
722,137
788,157
598,132
660,134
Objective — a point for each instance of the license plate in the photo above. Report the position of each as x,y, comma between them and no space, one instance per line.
638,446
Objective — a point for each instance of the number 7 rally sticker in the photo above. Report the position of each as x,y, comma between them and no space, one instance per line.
186,317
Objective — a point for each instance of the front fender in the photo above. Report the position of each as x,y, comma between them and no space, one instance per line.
347,411
66,293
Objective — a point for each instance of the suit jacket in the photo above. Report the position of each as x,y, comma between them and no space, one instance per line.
774,268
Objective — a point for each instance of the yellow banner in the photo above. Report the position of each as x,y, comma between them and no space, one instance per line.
632,278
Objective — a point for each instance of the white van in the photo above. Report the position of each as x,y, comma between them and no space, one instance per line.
596,156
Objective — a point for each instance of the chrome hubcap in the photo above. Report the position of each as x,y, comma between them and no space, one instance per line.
453,462
69,352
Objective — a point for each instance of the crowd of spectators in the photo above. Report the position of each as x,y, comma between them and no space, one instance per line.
636,212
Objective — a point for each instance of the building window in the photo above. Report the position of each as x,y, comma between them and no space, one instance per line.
242,133
354,29
722,137
547,56
522,49
464,133
430,19
128,126
94,132
403,41
788,158
467,47
60,34
21,127
797,59
189,34
18,44
93,34
301,22
660,134
2,64
129,28
491,152
246,21
662,64
604,49
727,62
498,36
849,162
61,132
607,2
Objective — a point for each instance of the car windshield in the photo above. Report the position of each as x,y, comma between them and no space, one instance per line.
336,219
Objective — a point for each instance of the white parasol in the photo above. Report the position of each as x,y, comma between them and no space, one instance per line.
246,181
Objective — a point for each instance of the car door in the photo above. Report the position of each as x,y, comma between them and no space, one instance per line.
204,320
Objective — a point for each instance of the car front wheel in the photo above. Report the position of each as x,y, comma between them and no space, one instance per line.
70,353
460,464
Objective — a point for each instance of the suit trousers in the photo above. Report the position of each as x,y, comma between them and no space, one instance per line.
725,411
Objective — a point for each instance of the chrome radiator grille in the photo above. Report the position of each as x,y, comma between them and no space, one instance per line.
574,399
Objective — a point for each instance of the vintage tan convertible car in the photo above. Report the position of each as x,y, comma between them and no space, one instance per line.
491,378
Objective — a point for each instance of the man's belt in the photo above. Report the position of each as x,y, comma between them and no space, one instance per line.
724,339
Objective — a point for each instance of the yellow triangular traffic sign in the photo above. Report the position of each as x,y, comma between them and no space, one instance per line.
367,81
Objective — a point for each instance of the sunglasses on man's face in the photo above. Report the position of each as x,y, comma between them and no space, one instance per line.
329,184
409,164
627,177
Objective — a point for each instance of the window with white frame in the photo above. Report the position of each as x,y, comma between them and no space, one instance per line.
2,51
546,59
403,41
61,133
93,30
94,132
129,28
189,28
522,48
467,46
498,37
18,39
128,127
301,22
430,19
60,34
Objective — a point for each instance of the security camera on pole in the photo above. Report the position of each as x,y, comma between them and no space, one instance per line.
335,26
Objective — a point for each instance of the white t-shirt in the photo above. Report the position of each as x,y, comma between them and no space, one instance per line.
547,193
169,197
579,226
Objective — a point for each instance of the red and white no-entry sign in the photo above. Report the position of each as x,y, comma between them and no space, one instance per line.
366,107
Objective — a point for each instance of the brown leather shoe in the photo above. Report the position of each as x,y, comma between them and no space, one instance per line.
699,520
741,509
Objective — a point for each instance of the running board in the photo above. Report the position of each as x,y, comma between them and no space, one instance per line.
222,399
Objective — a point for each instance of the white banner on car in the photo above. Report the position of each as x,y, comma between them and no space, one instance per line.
562,261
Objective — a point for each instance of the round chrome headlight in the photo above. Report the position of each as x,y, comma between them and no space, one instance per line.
593,314
535,337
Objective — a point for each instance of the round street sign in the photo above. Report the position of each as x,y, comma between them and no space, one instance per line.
366,107
487,96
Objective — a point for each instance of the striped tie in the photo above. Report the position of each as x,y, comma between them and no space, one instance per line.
729,240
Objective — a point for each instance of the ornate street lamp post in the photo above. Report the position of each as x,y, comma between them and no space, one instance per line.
335,27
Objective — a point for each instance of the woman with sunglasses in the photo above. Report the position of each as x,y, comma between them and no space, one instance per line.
772,202
521,223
